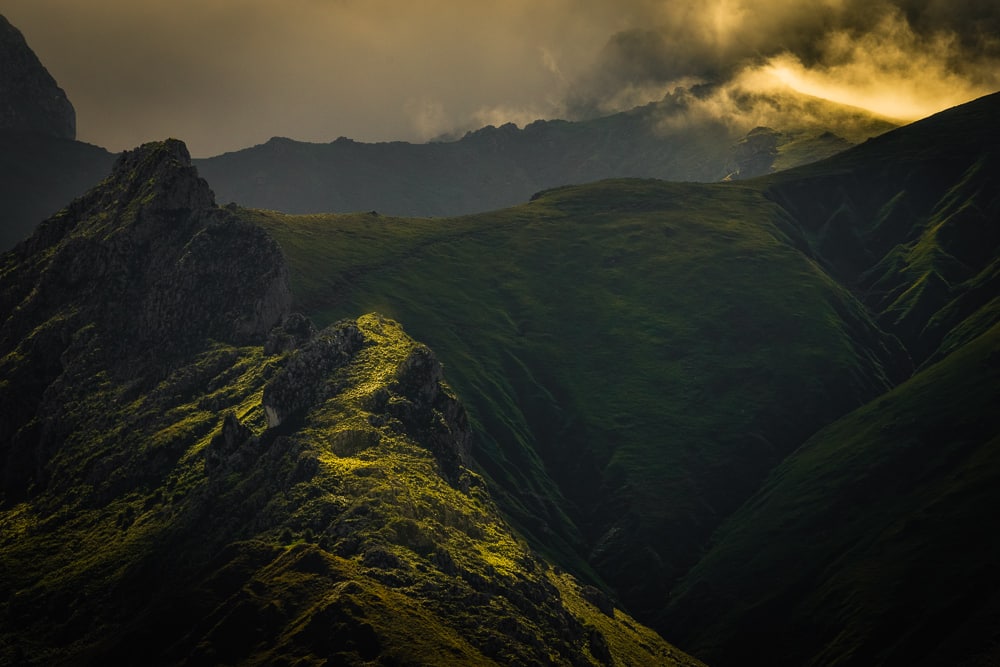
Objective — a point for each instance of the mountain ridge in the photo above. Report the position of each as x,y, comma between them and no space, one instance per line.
496,167
238,486
488,168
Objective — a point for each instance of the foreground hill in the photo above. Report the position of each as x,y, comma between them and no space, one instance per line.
193,475
496,167
639,357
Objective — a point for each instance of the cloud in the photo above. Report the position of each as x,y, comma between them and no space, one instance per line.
224,74
891,70
903,59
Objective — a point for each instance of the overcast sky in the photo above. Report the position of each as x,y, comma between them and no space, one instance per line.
227,74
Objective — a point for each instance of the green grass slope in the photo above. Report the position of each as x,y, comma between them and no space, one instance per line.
909,221
635,355
873,544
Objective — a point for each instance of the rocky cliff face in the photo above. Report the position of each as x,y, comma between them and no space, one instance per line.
127,281
30,99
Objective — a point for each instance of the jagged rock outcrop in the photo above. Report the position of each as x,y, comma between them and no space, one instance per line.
302,383
421,401
128,280
415,400
294,331
30,99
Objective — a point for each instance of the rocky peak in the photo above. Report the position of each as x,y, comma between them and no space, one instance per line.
412,396
30,99
154,182
136,277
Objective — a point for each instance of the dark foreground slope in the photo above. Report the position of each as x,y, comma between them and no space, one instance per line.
192,475
494,167
638,357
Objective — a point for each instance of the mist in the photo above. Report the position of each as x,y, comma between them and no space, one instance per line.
226,74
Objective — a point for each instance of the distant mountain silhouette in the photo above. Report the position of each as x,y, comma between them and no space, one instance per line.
30,100
494,167
41,166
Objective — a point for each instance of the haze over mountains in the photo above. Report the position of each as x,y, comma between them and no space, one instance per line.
756,415
384,70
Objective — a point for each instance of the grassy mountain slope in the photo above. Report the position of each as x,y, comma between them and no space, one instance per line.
635,355
185,483
909,222
495,167
872,544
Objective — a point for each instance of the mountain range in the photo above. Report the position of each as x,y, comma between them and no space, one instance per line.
756,418
42,166
496,167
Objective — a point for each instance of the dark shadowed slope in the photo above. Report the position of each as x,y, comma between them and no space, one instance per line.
909,221
874,544
184,482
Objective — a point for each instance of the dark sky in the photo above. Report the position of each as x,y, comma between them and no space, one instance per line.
226,74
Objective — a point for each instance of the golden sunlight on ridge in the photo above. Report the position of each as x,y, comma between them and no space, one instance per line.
897,100
889,70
